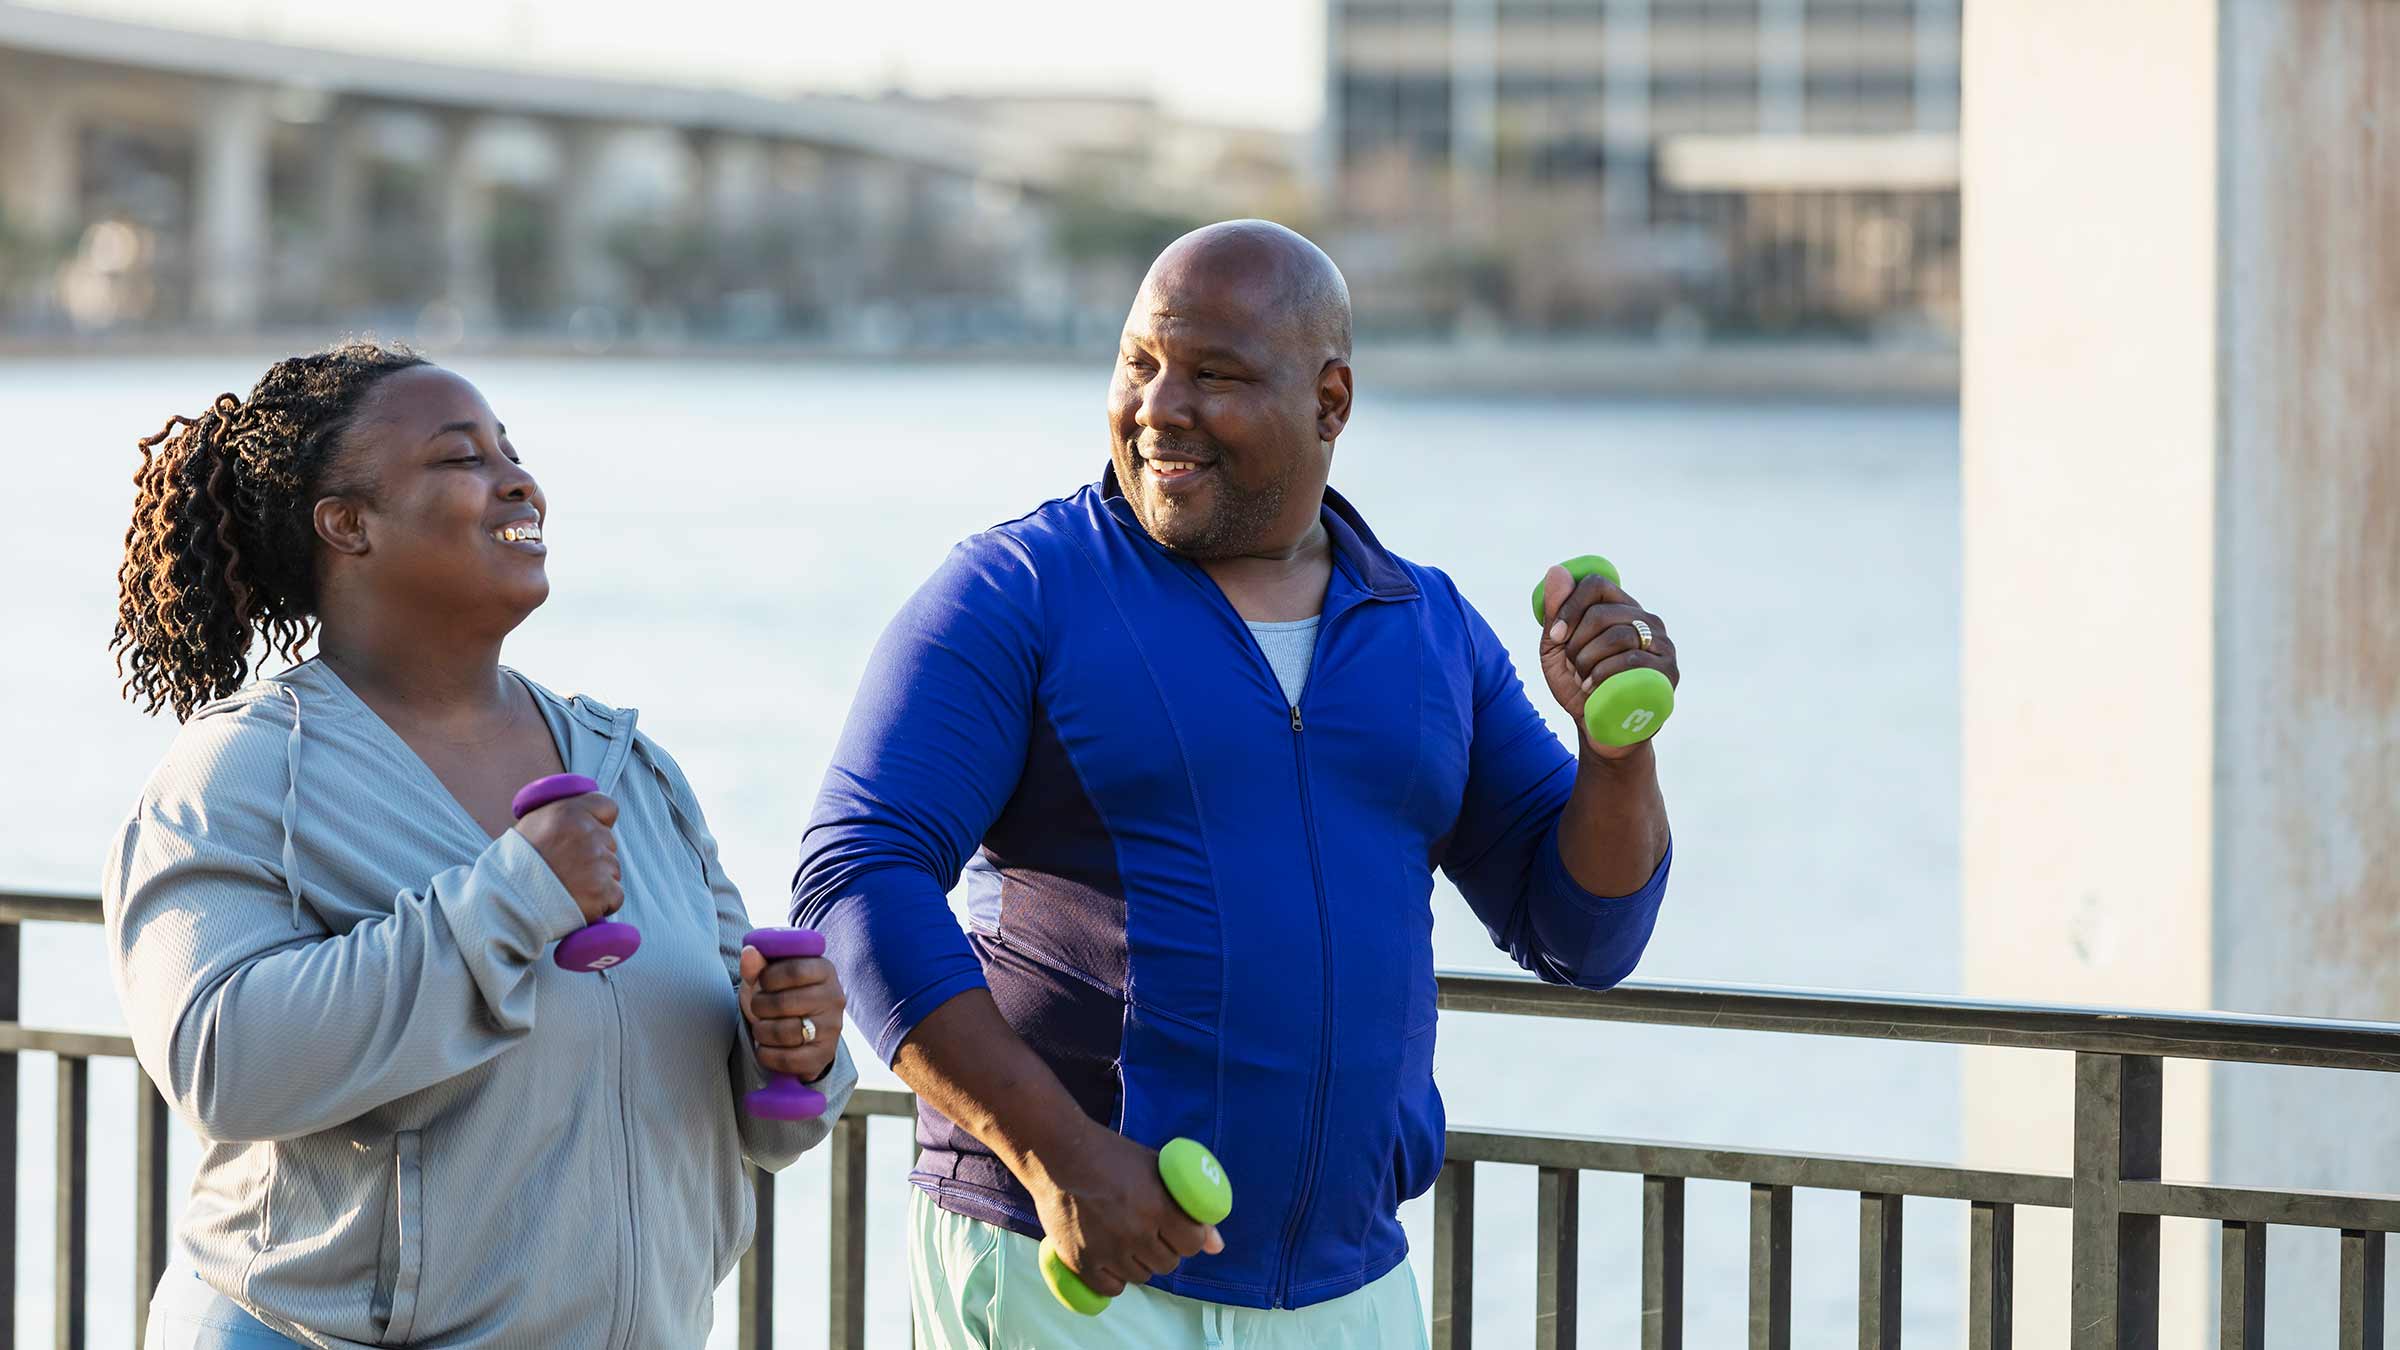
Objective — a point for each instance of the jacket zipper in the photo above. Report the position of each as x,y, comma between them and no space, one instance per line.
631,1280
612,767
1312,1144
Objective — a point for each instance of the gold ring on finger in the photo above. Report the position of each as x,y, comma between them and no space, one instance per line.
1641,633
808,1031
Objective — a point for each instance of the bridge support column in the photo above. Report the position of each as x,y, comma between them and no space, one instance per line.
229,214
463,206
38,161
587,275
734,171
2181,759
340,181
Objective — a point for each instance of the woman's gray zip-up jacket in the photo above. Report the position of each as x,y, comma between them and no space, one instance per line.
416,1128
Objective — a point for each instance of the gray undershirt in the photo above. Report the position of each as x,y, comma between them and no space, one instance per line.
1289,646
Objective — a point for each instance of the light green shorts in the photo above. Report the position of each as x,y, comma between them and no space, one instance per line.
979,1287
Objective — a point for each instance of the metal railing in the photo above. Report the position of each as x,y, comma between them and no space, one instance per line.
2114,1192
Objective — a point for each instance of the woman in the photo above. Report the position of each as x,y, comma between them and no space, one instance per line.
333,943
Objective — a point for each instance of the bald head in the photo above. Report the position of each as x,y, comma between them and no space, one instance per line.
1276,269
1232,384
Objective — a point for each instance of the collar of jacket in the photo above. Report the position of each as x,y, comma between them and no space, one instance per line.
1355,546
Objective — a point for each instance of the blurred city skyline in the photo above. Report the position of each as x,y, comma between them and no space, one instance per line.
1670,175
1248,63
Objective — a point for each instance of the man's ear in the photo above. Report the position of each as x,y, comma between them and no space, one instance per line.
1333,399
341,524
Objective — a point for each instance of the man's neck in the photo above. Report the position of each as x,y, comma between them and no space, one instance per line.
1277,585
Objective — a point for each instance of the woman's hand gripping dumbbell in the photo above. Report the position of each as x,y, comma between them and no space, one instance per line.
794,1001
1605,654
565,818
1198,1186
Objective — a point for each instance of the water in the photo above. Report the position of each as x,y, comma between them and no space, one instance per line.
727,540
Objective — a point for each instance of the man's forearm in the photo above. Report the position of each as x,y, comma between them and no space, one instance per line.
970,1065
1614,830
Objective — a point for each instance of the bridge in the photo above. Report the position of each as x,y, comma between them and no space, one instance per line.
252,181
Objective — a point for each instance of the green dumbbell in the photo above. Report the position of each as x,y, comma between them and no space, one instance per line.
1631,705
1197,1183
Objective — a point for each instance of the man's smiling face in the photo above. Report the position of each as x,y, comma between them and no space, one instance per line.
1213,411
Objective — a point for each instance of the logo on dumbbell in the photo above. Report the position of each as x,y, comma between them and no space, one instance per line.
1637,719
604,962
1209,1169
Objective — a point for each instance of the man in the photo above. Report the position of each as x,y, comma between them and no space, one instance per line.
1197,742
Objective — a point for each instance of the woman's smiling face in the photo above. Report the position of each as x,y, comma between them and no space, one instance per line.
452,525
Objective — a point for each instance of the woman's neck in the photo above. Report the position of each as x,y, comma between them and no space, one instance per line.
436,684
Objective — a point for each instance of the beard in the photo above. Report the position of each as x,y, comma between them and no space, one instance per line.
1227,521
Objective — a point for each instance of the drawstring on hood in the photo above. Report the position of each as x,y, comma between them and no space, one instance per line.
291,805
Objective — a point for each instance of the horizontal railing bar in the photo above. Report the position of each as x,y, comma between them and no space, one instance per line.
2262,1204
881,1102
2242,1037
44,907
1810,1171
72,1044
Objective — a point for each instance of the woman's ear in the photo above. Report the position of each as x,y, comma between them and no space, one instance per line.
341,524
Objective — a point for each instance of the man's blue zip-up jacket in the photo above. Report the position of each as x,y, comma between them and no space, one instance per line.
1208,910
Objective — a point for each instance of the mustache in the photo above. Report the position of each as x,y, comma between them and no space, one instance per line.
1199,449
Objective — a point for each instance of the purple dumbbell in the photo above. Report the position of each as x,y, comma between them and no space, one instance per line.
595,946
785,1097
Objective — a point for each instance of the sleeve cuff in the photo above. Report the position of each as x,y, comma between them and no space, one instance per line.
512,896
1561,882
917,1006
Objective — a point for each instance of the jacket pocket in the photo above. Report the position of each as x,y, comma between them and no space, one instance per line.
402,1259
1418,1144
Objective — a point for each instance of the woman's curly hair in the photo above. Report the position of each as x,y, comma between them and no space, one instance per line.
222,545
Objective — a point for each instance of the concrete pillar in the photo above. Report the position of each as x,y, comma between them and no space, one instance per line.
229,209
40,190
2181,762
1325,160
735,175
340,180
1782,66
463,210
1475,115
581,216
1934,34
1625,113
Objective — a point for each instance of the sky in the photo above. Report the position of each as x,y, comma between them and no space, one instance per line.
1256,62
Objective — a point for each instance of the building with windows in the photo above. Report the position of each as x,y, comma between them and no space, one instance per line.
1735,164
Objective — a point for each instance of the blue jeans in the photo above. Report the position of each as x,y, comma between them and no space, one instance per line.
185,1314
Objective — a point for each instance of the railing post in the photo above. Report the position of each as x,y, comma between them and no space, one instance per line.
1992,1276
1662,1263
1878,1272
74,1198
150,1213
1454,1257
1770,1267
2242,1287
1559,1225
2362,1290
2114,1299
8,1141
846,1286
755,1299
